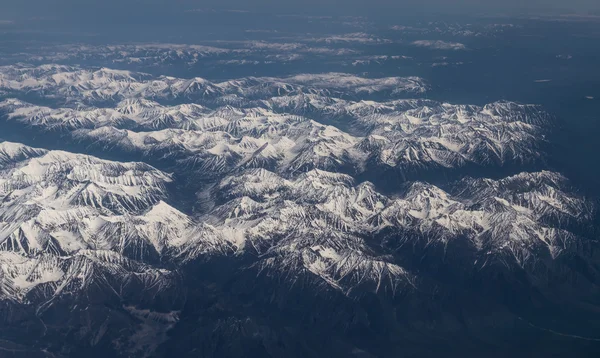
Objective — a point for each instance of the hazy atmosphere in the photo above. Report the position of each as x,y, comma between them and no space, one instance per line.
67,8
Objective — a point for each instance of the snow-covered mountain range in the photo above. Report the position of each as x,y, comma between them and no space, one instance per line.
288,125
74,85
69,219
276,179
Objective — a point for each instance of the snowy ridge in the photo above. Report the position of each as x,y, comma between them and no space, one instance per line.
41,278
404,135
75,85
14,152
67,220
358,85
325,224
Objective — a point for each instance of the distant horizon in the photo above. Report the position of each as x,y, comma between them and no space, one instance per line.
71,10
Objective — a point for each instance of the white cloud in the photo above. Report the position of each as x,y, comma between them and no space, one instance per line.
440,45
356,37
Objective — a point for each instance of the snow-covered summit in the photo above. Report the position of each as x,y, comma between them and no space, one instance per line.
61,210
